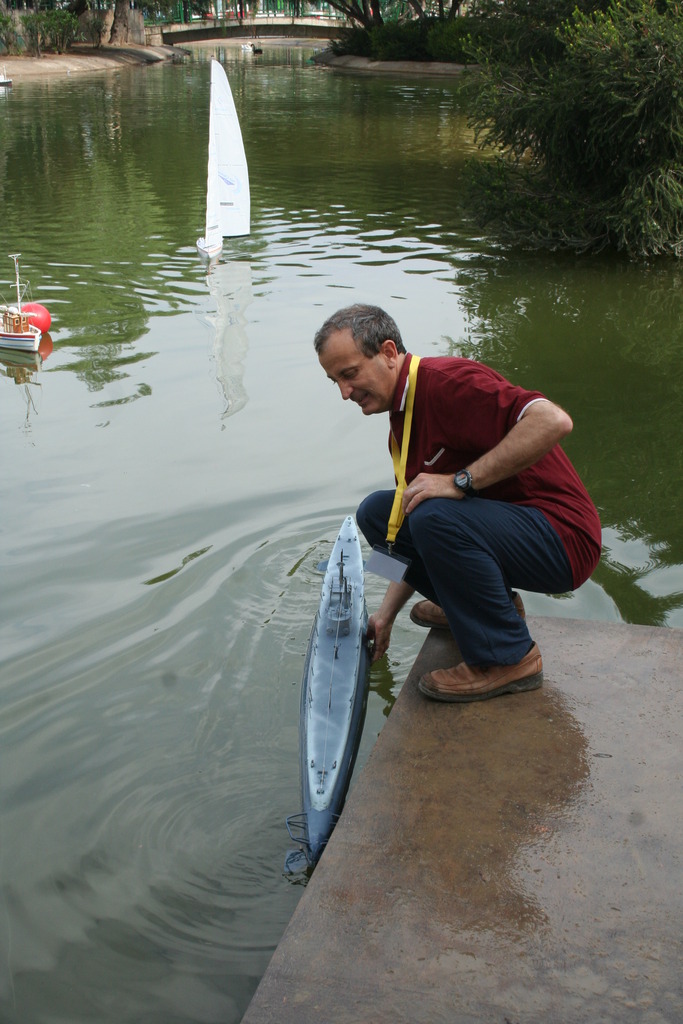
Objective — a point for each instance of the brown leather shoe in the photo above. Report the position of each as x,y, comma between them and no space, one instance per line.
470,682
426,613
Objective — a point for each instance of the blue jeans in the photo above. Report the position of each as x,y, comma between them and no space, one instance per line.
467,556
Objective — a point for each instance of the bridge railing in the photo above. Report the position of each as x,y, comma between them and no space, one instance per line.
234,11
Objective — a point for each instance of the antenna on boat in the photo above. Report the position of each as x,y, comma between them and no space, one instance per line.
15,256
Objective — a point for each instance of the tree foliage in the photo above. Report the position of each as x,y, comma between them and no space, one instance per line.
587,132
426,39
518,32
370,13
53,30
8,33
365,13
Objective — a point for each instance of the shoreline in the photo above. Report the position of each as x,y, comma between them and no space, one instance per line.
365,65
84,58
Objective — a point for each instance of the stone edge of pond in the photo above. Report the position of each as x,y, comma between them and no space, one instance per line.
503,859
436,69
84,58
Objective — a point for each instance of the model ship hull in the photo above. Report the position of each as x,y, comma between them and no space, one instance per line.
26,338
334,693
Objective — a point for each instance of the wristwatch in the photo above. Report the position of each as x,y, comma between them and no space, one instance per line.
463,481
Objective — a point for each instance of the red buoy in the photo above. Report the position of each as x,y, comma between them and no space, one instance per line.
37,314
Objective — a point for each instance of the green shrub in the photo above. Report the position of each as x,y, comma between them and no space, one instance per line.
423,40
8,33
648,219
452,41
34,32
518,32
588,148
61,29
353,42
95,27
407,41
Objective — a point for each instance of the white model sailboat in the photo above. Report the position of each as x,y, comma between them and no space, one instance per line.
227,188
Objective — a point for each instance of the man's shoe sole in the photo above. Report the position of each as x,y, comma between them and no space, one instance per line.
433,624
427,623
515,686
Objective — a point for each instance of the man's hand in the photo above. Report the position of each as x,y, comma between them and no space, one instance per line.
380,624
379,635
429,485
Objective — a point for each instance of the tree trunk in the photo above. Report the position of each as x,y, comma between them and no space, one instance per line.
119,27
418,8
352,10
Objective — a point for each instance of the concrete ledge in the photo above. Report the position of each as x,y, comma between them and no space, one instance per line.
516,860
347,62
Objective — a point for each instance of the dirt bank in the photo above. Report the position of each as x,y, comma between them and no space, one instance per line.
84,58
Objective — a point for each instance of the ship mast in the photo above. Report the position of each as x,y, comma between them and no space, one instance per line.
15,256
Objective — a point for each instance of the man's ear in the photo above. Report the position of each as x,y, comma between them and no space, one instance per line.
390,352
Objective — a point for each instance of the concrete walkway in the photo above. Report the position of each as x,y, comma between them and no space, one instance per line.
517,861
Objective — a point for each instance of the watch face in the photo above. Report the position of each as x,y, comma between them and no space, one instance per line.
462,480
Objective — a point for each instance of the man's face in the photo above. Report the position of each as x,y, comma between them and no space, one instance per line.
369,382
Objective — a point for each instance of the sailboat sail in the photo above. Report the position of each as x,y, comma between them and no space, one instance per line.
227,190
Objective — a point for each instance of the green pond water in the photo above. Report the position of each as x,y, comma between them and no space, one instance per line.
177,465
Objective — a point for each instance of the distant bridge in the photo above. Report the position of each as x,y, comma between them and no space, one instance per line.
248,28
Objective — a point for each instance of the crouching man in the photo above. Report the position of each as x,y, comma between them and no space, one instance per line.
486,501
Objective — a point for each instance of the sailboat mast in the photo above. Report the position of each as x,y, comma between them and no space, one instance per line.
15,257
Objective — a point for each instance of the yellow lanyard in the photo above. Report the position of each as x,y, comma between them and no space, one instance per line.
400,459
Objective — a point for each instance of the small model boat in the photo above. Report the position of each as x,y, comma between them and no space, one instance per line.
22,327
5,82
334,695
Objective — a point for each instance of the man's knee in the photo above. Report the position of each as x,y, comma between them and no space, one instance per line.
427,519
441,522
423,528
362,516
372,516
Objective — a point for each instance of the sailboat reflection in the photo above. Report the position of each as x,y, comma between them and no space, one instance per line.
230,285
23,368
22,365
